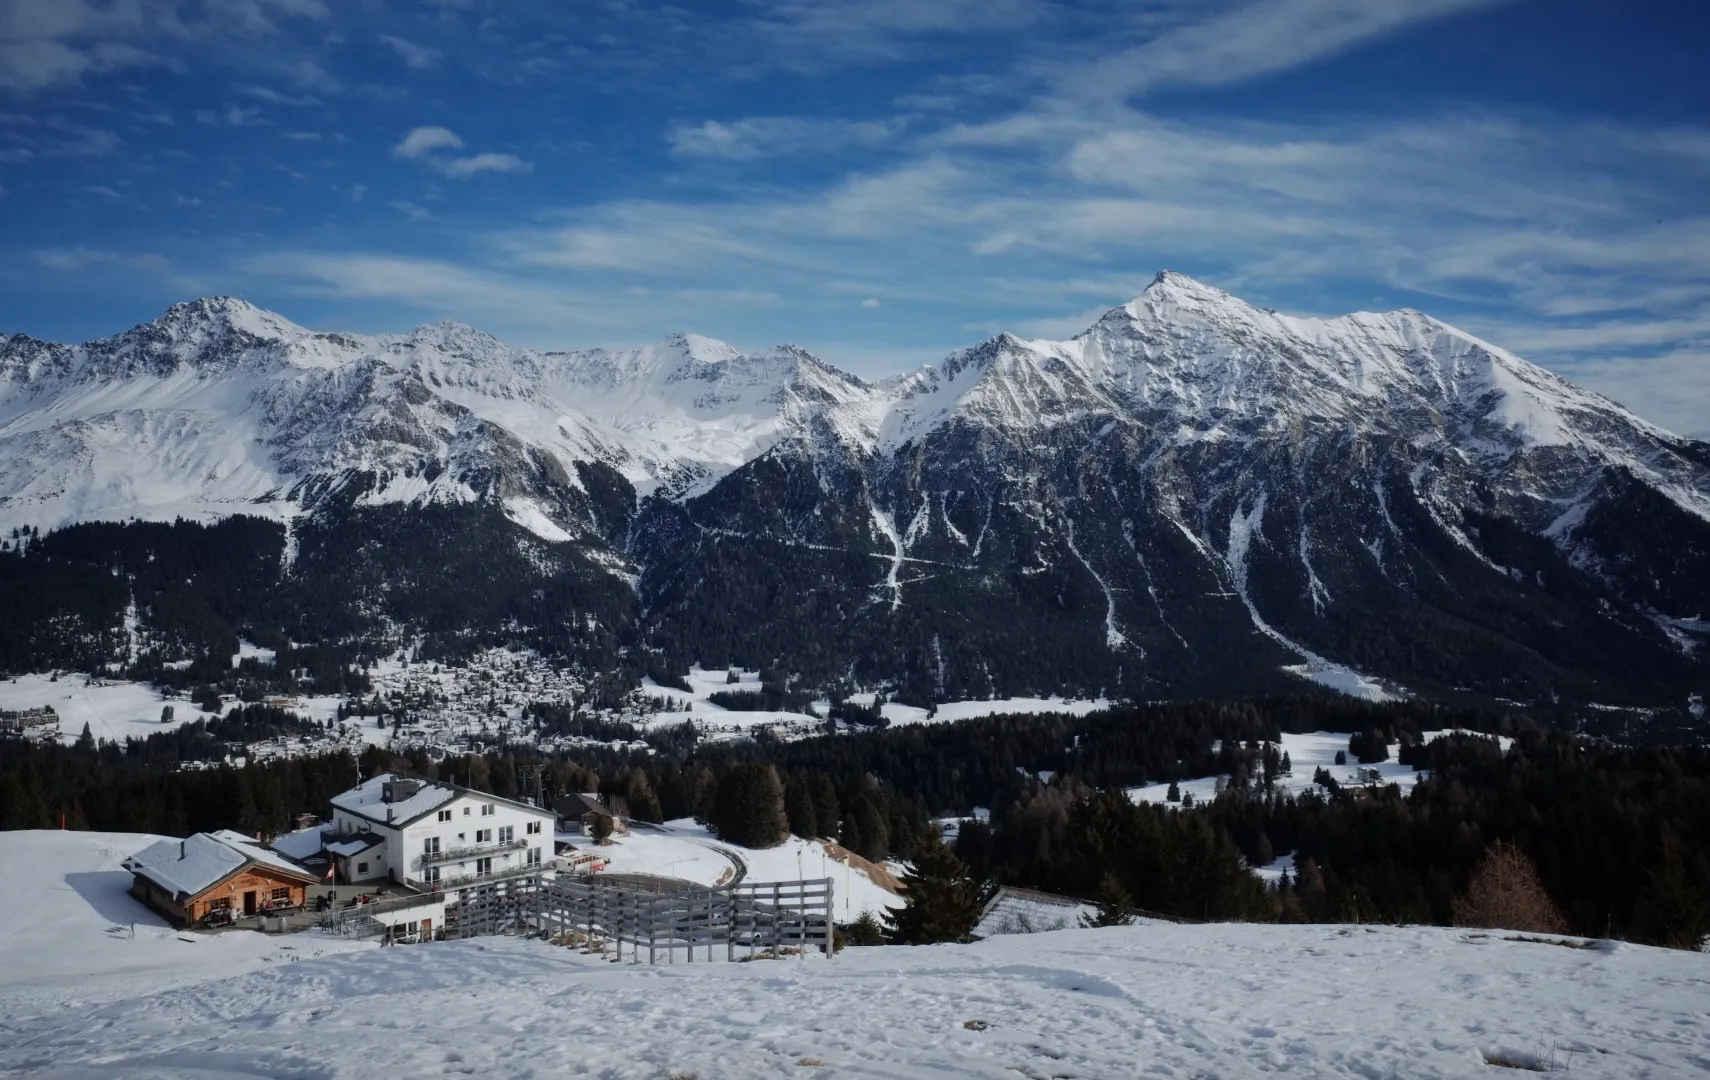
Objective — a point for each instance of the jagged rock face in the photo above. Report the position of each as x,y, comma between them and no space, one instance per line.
1194,496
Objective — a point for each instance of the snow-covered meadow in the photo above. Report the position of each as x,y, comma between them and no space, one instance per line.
712,720
1307,753
1226,1001
71,934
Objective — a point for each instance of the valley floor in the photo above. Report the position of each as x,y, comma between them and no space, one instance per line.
1225,1001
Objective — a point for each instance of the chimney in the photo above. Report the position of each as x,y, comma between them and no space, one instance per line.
181,849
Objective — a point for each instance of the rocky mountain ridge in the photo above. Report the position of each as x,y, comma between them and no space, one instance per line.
1194,495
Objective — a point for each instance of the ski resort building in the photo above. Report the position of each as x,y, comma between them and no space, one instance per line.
208,874
426,835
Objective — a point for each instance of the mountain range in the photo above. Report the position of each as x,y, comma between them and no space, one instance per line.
1194,496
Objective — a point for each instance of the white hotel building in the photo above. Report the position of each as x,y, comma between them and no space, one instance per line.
433,836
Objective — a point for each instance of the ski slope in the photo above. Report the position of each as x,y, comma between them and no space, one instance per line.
71,934
1222,1001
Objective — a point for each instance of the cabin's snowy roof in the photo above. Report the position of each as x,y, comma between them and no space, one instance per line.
368,800
188,866
1024,911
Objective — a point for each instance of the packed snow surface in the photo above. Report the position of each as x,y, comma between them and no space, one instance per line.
1225,1001
71,933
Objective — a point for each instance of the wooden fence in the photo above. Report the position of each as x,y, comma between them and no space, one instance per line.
748,921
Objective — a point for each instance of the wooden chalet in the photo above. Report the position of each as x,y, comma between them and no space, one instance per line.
224,871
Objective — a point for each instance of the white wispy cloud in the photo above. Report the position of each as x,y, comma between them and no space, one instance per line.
755,137
425,140
1259,38
413,54
480,163
47,43
81,258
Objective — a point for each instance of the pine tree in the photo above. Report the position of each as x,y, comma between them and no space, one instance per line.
866,930
1672,910
1175,792
748,807
941,901
1115,905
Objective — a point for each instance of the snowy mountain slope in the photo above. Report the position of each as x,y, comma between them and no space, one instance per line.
1230,1001
1194,495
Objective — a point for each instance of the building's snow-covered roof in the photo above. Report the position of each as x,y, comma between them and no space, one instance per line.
368,800
356,845
1024,911
300,845
198,862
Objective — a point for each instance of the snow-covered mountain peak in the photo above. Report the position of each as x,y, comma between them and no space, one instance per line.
217,318
701,350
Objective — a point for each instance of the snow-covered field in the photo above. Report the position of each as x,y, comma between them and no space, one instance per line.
715,721
1307,753
951,711
1222,1001
113,708
686,850
66,929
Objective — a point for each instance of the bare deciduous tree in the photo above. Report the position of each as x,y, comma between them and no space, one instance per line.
1506,894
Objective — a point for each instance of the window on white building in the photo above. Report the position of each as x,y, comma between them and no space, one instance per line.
507,833
486,809
362,868
483,836
445,815
483,867
534,856
533,828
430,846
431,875
465,811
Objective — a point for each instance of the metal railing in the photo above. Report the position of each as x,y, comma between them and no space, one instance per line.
504,874
466,852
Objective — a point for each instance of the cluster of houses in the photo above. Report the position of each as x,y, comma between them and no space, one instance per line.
400,847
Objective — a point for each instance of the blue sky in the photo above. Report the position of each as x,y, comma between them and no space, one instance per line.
876,180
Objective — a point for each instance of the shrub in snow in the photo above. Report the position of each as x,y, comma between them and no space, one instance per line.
1506,894
865,930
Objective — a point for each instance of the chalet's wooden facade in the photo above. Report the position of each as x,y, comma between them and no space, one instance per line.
247,892
186,880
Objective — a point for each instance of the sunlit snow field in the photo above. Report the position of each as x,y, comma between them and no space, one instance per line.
1230,1001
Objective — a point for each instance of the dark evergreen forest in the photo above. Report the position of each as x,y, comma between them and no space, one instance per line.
1616,832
